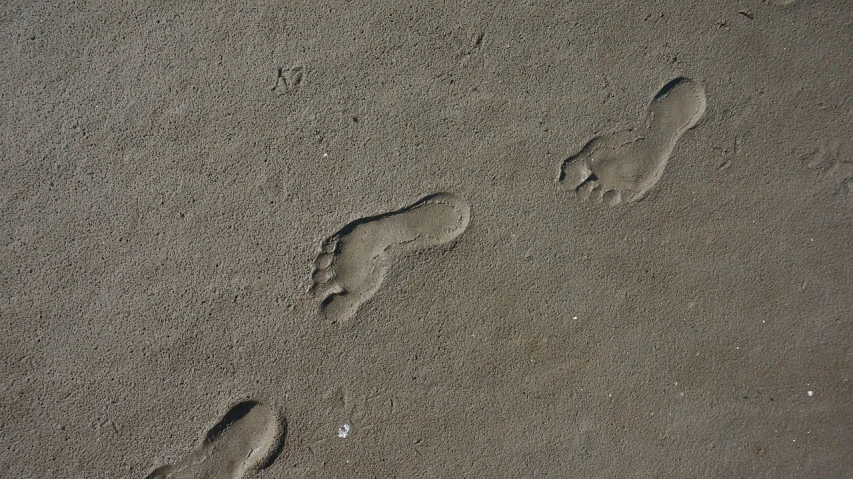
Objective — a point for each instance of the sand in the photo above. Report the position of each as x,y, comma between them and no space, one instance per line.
177,180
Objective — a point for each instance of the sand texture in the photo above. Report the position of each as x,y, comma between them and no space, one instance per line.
255,240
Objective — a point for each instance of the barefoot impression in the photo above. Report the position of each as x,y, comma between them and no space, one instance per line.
624,166
249,437
353,261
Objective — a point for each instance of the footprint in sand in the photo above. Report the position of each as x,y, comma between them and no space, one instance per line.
624,166
249,437
353,261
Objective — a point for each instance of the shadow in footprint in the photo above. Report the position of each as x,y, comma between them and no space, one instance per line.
249,437
623,166
353,262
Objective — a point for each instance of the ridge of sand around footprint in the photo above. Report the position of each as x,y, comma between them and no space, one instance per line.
353,262
249,437
624,166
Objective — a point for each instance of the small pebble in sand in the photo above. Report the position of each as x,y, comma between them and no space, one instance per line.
343,431
811,393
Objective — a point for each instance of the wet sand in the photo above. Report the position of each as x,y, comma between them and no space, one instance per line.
178,180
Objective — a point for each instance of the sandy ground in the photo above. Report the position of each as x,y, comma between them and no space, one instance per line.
176,182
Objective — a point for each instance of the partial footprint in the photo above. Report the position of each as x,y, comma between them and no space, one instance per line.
353,261
249,437
624,166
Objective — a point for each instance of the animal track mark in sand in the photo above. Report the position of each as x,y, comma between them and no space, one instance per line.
623,166
845,191
248,437
353,262
827,165
288,80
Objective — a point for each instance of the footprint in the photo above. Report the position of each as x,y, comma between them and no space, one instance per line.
624,166
288,80
249,437
352,262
